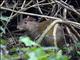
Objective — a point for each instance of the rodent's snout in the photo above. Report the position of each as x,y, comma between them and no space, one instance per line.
18,27
22,25
30,25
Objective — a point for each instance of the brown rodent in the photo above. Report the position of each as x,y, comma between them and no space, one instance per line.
37,28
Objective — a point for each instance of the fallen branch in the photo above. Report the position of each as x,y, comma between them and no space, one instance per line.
53,24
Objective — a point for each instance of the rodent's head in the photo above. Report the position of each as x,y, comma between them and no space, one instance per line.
28,23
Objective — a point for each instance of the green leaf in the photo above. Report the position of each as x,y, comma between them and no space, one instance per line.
5,18
9,57
37,54
27,41
59,56
51,57
2,30
2,41
59,53
78,52
2,57
78,45
32,56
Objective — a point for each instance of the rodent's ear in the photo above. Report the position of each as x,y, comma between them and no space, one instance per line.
42,19
29,18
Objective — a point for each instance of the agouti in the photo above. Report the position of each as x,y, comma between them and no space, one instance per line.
37,28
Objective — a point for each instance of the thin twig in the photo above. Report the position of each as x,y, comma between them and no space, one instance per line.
29,13
13,9
38,4
75,24
69,7
39,7
23,9
2,3
23,4
29,3
55,34
8,31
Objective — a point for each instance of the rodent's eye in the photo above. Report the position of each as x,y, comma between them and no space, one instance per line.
25,22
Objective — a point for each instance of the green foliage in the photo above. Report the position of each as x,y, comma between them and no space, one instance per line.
37,54
27,41
34,53
78,52
2,30
2,41
78,45
6,19
59,56
4,58
9,57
